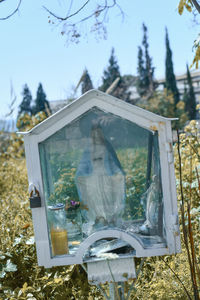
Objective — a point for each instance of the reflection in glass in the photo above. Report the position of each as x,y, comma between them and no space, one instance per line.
105,170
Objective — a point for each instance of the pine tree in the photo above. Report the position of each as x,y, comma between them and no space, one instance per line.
140,83
170,80
113,82
190,102
111,73
41,103
86,82
25,106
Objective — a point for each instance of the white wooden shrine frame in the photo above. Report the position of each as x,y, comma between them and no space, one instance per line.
134,114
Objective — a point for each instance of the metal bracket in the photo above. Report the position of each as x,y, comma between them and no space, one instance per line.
111,270
174,224
35,200
169,149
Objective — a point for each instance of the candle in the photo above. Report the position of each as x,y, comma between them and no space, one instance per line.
59,241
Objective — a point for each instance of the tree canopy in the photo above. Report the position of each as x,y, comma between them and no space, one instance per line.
145,83
41,103
112,81
85,82
170,79
111,73
25,106
190,101
192,6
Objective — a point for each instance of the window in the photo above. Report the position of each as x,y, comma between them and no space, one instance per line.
100,172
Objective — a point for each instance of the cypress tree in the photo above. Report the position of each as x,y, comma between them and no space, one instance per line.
140,83
185,94
41,103
190,102
25,106
170,80
145,82
86,84
111,73
149,69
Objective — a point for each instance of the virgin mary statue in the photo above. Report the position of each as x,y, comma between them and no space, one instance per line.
100,180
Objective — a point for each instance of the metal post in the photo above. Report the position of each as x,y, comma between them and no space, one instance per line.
114,292
121,290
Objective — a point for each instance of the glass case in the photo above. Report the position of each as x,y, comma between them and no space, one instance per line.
101,172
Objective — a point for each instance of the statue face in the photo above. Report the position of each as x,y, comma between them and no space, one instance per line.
98,145
97,136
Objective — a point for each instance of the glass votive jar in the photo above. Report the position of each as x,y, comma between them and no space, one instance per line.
58,231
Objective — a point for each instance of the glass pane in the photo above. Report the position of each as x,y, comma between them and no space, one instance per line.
101,172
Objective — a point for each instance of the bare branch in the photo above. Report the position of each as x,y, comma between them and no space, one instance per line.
14,12
70,23
72,26
196,4
176,275
67,17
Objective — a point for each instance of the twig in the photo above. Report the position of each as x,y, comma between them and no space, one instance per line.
198,179
67,17
190,224
183,222
176,275
97,285
137,273
14,12
197,6
95,13
194,258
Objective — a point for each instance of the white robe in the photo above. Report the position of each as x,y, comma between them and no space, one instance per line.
102,192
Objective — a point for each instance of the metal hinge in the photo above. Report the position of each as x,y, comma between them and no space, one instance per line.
169,149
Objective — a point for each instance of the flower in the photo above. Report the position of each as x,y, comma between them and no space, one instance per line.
72,205
193,123
198,106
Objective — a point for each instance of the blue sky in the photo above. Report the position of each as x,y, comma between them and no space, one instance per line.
34,51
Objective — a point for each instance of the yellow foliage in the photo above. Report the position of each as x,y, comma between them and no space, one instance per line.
189,6
180,105
25,122
162,103
184,4
181,6
197,56
15,247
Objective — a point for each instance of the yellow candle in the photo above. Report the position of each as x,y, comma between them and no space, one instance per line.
59,241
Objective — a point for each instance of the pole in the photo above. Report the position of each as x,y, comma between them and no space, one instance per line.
116,291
